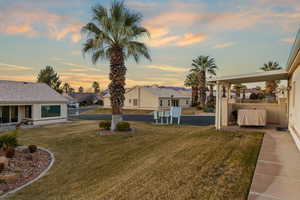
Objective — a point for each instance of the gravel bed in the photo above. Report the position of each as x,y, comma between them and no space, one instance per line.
23,168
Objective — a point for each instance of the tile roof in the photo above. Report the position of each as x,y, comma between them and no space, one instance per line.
26,92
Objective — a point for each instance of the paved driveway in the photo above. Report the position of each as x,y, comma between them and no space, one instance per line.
186,120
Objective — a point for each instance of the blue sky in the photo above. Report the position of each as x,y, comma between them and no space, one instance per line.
241,35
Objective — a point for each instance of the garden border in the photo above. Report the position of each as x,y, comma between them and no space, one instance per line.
36,178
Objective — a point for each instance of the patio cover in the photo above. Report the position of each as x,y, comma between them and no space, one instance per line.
255,77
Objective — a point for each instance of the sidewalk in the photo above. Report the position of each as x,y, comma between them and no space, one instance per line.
277,174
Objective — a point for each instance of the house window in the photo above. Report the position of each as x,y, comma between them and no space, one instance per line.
129,100
50,111
187,102
169,102
135,102
160,102
28,111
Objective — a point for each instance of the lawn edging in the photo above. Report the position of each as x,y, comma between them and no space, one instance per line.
35,179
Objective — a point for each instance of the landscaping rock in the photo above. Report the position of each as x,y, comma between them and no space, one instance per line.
9,178
4,160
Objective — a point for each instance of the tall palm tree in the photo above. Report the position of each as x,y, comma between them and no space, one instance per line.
271,85
202,66
192,81
112,35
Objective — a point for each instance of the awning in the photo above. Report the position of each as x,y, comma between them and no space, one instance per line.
255,77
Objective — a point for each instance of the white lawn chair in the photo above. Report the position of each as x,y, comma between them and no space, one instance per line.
155,116
175,113
161,115
167,115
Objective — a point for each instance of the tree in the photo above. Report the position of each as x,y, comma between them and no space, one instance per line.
271,85
192,81
50,77
238,88
202,66
96,87
66,88
112,35
80,89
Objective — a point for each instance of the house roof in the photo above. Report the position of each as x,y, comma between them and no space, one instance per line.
80,97
255,77
162,91
167,92
27,92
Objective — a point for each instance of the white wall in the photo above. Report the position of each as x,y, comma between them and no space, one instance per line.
37,115
294,106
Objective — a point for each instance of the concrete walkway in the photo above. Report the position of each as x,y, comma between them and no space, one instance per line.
277,174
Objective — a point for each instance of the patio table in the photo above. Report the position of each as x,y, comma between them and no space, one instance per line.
252,117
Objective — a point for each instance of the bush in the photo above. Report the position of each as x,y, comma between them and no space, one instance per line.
8,140
10,152
32,148
105,125
199,107
123,126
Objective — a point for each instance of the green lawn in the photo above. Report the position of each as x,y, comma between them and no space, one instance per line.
157,162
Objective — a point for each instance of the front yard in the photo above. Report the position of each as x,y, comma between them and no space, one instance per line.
157,162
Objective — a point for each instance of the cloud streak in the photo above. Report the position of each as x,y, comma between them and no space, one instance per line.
224,45
167,68
5,66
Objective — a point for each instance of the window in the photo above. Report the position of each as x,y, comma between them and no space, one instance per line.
169,102
187,102
50,111
129,100
160,102
135,102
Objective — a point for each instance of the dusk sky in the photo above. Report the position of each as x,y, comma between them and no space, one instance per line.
240,34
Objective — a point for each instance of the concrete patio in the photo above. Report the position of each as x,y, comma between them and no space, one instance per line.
277,174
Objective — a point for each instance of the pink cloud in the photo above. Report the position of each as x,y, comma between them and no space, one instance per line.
36,22
287,40
191,38
224,45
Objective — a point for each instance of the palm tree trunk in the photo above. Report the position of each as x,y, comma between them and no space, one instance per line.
202,89
116,87
194,95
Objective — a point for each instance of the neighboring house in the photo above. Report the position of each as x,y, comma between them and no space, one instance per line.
154,97
285,113
34,102
85,98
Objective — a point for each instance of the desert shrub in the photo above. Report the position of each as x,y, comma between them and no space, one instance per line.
9,139
105,125
10,152
253,96
123,126
32,148
198,107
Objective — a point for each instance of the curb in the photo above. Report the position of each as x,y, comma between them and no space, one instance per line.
36,178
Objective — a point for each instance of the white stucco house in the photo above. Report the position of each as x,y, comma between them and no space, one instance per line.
36,103
154,97
284,113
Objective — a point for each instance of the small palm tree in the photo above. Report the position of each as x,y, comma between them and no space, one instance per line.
112,35
96,87
80,89
192,81
66,88
271,85
202,66
238,88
